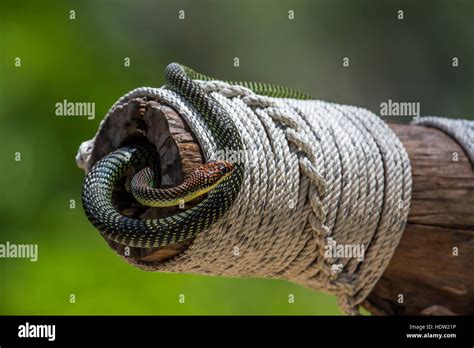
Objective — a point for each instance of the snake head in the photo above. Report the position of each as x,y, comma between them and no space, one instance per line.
216,171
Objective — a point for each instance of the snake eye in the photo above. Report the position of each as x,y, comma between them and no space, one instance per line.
226,166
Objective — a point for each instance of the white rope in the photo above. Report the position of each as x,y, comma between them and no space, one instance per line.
316,174
461,130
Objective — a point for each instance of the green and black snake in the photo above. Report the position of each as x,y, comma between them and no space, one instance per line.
221,180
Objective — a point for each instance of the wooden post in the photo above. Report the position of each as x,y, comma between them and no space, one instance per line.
432,270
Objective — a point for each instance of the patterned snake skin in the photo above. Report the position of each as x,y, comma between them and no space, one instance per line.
221,180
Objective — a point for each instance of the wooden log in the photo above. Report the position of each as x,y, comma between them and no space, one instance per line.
179,154
432,266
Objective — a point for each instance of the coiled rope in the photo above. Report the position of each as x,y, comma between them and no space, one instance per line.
317,174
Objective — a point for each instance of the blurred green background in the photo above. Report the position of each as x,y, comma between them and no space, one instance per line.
83,60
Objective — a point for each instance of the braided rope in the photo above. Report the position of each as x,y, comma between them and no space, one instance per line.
460,130
316,174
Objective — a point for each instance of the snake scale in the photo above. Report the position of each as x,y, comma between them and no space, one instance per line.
221,180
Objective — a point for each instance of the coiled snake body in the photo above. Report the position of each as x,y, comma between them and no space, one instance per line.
220,179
